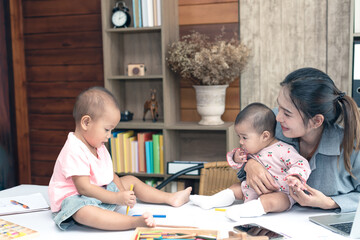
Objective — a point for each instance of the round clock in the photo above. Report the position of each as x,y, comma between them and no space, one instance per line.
121,17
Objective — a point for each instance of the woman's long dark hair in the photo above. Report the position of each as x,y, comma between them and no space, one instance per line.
313,92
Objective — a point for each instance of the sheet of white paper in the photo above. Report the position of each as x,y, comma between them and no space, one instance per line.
35,202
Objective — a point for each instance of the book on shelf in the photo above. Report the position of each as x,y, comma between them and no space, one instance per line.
155,10
118,151
121,152
156,152
158,12
127,153
176,166
161,149
113,150
136,13
357,16
142,138
149,157
134,156
149,13
144,13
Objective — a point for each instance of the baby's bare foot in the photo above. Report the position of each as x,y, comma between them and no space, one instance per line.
180,198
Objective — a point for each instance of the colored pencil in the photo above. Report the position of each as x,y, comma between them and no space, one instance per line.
131,188
154,216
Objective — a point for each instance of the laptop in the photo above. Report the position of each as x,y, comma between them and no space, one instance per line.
347,224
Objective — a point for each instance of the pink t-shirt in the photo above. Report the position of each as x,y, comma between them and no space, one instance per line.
75,159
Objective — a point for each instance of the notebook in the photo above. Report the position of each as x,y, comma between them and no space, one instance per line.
23,204
347,224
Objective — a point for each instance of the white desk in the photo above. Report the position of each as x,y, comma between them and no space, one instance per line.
293,223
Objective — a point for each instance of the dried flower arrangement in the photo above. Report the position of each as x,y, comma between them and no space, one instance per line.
205,62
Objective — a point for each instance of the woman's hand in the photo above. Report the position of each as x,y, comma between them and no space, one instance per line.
313,198
259,178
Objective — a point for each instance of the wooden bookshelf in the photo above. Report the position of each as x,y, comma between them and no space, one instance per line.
183,141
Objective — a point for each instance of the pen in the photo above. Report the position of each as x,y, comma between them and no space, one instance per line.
18,203
131,188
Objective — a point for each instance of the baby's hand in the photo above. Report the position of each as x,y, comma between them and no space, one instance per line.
240,156
295,182
126,198
236,158
148,219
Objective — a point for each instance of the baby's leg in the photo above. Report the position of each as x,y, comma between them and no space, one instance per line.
221,199
275,202
149,194
108,220
271,202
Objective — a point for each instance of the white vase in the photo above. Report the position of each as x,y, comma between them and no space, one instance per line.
210,103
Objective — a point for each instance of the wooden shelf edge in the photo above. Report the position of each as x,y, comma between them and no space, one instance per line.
124,77
196,126
140,124
133,30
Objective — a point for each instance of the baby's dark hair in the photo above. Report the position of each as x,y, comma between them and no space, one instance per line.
92,102
260,116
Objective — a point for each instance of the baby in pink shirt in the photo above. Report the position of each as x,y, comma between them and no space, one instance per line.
84,188
255,126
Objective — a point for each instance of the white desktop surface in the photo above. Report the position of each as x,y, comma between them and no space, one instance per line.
293,223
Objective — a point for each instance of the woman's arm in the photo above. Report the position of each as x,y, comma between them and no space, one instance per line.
259,178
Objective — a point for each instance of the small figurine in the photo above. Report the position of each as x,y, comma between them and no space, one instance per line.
151,105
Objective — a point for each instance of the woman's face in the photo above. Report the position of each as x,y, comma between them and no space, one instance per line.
289,117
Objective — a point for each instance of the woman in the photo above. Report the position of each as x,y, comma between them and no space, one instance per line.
310,108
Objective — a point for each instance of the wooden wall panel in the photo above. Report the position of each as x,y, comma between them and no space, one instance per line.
63,53
54,24
21,105
68,73
51,105
287,35
338,43
208,13
37,8
63,40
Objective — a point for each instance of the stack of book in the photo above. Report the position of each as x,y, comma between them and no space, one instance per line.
146,13
137,152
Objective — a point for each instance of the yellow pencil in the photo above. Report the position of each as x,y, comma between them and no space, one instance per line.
131,188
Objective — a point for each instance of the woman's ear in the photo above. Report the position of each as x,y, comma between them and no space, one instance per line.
318,120
85,121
